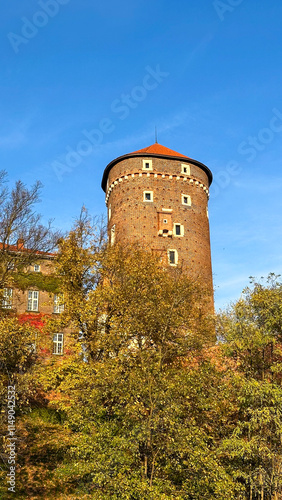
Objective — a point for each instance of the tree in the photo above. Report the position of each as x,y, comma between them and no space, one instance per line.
116,289
78,265
136,431
252,337
23,238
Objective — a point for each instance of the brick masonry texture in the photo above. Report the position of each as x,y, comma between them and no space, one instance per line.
138,220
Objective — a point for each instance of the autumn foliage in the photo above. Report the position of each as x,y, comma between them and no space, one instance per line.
147,405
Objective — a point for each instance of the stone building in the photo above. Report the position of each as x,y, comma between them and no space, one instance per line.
160,197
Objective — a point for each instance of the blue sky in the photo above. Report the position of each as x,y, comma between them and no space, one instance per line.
206,73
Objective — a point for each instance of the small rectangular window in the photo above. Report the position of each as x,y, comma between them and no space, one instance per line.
58,343
36,268
178,229
148,196
59,305
172,257
147,165
32,302
185,168
186,199
7,298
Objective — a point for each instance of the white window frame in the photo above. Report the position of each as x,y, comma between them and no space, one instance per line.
151,196
173,264
189,202
150,163
33,300
59,305
7,298
58,344
36,268
181,230
185,166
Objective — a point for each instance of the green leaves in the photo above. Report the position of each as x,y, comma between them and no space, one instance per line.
146,405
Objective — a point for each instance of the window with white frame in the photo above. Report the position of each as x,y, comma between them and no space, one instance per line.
172,257
148,196
147,165
113,234
32,302
7,298
58,343
185,169
186,200
36,268
59,305
178,229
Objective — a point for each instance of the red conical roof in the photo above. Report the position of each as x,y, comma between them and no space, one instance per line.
158,149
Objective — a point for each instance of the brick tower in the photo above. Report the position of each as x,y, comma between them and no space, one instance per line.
160,197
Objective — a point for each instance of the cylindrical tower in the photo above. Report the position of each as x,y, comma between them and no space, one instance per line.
160,197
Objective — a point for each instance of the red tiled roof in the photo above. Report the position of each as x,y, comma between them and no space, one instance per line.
158,149
21,248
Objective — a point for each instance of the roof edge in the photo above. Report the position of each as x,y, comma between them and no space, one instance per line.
156,155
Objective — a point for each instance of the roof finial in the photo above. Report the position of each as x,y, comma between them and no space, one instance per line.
156,135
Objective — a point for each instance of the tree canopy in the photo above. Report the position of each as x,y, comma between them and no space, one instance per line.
146,404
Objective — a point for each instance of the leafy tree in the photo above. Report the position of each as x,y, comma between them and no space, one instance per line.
141,432
146,405
117,290
136,430
78,265
252,337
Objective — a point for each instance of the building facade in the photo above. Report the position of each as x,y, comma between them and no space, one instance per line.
160,197
31,297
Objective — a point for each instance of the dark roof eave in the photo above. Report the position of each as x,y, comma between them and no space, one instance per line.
168,157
